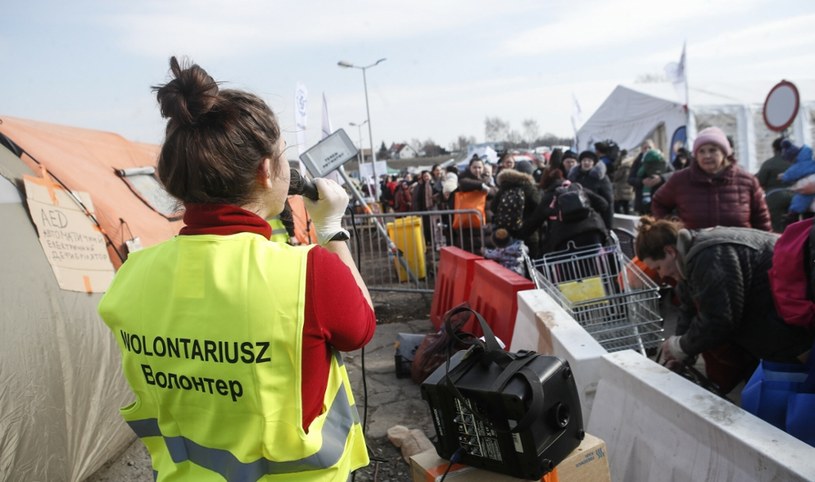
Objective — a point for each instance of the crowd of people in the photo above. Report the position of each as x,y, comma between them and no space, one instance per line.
708,229
273,317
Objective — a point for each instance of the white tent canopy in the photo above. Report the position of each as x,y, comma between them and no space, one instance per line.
630,114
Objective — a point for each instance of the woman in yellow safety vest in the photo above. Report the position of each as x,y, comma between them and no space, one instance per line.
230,341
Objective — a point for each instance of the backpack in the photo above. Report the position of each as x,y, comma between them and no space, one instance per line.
791,276
571,203
508,213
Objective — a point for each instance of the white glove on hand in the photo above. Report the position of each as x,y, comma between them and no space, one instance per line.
328,210
671,354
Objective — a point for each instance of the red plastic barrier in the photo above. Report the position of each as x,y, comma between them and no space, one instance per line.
453,279
493,293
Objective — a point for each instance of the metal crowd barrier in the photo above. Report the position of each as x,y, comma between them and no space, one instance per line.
408,262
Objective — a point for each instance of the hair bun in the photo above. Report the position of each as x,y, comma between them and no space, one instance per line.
190,95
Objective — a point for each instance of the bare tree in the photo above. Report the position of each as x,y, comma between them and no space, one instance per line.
514,138
462,142
531,129
495,129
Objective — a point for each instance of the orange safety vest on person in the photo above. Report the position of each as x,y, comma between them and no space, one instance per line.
210,329
304,230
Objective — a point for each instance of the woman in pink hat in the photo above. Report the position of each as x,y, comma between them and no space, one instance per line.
714,190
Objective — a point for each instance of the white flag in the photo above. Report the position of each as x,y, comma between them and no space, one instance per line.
577,113
326,131
300,116
326,119
677,75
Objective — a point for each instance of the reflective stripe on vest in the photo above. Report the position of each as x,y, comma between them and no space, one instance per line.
279,232
337,427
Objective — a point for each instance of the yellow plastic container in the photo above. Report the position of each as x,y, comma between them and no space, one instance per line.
406,234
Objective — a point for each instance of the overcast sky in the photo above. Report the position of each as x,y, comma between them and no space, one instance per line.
450,64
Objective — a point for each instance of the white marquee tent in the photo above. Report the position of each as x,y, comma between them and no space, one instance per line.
630,114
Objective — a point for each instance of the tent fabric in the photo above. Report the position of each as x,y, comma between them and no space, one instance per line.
60,367
627,116
632,113
86,160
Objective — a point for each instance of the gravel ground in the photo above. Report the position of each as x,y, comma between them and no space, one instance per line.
386,465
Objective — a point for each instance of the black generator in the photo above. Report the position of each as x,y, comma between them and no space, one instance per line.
513,413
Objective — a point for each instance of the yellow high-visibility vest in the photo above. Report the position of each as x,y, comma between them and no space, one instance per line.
211,331
279,232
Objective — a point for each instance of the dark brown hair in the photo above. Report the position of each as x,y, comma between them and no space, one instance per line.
215,139
654,235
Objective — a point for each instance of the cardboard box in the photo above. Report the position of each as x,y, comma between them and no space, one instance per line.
587,462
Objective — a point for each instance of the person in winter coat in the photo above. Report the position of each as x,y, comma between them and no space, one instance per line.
558,232
591,174
802,170
568,162
475,178
727,312
516,199
623,192
653,164
714,190
653,182
421,200
403,197
777,193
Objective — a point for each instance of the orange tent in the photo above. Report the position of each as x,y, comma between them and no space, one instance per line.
60,371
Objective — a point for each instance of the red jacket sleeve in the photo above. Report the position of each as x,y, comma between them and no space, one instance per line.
336,315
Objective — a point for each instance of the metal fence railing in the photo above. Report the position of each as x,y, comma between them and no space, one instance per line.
407,259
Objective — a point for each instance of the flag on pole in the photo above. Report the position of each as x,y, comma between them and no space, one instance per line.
326,131
577,113
326,120
677,75
300,116
577,117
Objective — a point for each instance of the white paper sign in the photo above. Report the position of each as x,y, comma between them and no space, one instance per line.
72,243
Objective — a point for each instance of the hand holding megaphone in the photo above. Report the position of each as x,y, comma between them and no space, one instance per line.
325,205
300,185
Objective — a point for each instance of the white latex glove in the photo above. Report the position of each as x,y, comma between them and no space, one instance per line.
671,354
328,210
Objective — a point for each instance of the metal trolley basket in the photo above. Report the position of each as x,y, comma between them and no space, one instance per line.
606,293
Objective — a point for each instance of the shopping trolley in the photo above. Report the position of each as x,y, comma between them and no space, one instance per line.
606,293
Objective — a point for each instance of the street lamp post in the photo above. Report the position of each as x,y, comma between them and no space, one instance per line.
361,156
359,129
343,63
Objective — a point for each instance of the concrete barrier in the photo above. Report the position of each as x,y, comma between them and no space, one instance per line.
543,326
626,221
659,426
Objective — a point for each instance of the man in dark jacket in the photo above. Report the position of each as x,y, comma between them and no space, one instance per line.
777,192
591,174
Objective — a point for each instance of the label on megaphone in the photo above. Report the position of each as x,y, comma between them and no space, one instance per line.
329,154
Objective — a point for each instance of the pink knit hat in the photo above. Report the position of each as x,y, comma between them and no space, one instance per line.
712,135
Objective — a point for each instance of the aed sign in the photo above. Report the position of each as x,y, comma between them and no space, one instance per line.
72,243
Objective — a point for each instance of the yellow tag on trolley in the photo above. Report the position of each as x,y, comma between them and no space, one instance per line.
583,290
